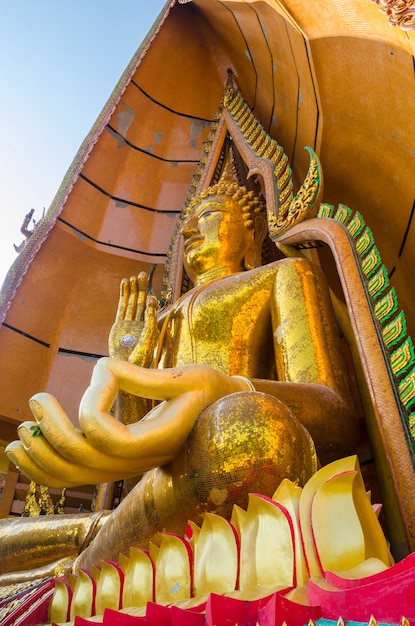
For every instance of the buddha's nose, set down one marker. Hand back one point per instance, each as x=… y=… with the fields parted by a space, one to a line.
x=190 y=227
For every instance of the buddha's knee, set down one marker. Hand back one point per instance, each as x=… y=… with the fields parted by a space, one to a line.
x=243 y=443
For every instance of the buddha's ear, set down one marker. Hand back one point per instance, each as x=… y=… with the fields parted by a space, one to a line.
x=251 y=260
x=253 y=252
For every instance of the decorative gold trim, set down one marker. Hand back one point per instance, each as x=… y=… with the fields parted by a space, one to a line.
x=43 y=505
x=289 y=210
x=388 y=392
x=397 y=344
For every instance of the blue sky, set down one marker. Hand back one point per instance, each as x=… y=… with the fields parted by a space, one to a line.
x=59 y=62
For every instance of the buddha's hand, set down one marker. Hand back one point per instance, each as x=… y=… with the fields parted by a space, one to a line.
x=52 y=451
x=134 y=334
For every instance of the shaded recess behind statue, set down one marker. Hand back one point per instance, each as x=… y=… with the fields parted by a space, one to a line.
x=248 y=365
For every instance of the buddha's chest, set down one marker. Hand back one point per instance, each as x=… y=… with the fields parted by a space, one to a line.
x=226 y=324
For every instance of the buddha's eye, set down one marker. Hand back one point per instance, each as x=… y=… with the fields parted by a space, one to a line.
x=207 y=214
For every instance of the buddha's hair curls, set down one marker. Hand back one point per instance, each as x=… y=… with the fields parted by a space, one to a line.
x=249 y=205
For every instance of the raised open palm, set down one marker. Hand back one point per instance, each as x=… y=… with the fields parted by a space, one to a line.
x=133 y=336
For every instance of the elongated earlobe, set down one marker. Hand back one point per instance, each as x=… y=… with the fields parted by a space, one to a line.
x=253 y=254
x=252 y=258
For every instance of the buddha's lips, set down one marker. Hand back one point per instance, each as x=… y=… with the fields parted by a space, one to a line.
x=193 y=242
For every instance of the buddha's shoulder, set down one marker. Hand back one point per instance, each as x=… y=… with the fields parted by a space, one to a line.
x=270 y=271
x=236 y=286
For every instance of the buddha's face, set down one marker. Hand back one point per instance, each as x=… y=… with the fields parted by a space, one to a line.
x=215 y=239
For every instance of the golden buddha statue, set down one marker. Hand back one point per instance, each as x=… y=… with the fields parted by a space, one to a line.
x=239 y=385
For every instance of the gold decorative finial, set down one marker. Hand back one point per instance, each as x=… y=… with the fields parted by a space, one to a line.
x=34 y=507
x=61 y=504
x=31 y=508
x=45 y=501
x=229 y=174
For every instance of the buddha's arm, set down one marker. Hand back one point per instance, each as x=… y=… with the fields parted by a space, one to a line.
x=311 y=371
x=106 y=449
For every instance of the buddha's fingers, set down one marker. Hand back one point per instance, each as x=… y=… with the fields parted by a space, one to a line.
x=142 y=291
x=116 y=439
x=52 y=463
x=106 y=438
x=123 y=300
x=154 y=440
x=143 y=353
x=69 y=441
x=25 y=464
x=99 y=426
x=57 y=427
x=132 y=300
x=186 y=391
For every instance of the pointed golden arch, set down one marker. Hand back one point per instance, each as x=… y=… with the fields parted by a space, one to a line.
x=236 y=128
